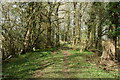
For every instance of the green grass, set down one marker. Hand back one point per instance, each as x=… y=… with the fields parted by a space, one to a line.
x=25 y=65
x=85 y=69
x=52 y=65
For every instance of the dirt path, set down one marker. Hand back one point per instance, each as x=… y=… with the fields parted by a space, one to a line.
x=65 y=62
x=61 y=68
x=69 y=65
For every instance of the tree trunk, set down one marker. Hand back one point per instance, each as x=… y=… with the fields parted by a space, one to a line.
x=49 y=29
x=74 y=27
x=57 y=27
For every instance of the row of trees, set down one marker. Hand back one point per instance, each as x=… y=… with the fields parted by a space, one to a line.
x=43 y=25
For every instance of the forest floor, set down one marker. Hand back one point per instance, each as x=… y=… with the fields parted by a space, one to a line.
x=52 y=63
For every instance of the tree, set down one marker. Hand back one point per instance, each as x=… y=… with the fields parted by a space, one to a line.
x=110 y=50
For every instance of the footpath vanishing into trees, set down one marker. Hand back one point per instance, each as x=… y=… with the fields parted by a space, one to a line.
x=36 y=38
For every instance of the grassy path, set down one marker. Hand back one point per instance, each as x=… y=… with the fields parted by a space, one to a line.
x=59 y=69
x=55 y=64
x=65 y=61
x=72 y=64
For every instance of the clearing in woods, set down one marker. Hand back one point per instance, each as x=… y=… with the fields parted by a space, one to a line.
x=62 y=63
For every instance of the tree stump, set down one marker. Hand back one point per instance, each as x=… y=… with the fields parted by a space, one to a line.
x=108 y=54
